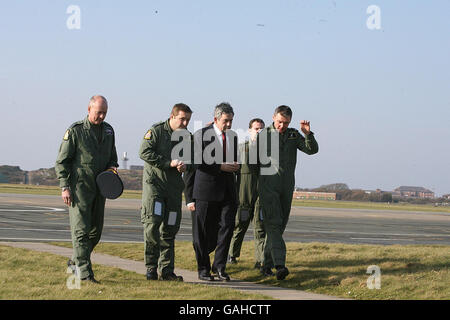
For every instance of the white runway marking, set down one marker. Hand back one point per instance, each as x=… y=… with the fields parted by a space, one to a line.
x=43 y=209
x=21 y=229
x=381 y=239
x=35 y=239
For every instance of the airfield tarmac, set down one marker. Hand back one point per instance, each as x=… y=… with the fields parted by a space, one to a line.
x=45 y=218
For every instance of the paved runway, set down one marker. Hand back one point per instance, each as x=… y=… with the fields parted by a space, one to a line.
x=45 y=218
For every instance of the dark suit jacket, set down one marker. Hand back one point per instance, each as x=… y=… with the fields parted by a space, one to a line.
x=207 y=182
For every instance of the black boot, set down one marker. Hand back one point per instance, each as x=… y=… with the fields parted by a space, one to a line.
x=152 y=274
x=282 y=272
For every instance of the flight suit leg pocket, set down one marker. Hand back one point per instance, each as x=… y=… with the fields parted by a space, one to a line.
x=172 y=218
x=172 y=222
x=174 y=212
x=153 y=210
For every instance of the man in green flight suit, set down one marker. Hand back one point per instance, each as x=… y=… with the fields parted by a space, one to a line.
x=88 y=148
x=162 y=192
x=277 y=182
x=248 y=200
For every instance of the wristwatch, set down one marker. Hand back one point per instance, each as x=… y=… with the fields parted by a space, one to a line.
x=64 y=189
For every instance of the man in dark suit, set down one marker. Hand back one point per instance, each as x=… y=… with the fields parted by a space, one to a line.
x=211 y=192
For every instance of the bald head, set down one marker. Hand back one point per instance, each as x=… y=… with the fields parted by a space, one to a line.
x=97 y=109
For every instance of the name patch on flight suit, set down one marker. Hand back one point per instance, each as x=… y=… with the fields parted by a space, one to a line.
x=148 y=135
x=172 y=218
x=293 y=135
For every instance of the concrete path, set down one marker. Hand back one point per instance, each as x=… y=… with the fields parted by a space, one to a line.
x=188 y=276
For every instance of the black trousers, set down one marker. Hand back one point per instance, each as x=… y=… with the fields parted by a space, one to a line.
x=212 y=229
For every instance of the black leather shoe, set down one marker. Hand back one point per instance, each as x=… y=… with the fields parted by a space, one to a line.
x=221 y=274
x=282 y=273
x=231 y=260
x=257 y=265
x=152 y=274
x=266 y=272
x=171 y=277
x=205 y=276
x=90 y=279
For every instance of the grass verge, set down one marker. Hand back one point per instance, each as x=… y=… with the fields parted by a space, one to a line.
x=407 y=271
x=26 y=274
x=53 y=190
x=369 y=205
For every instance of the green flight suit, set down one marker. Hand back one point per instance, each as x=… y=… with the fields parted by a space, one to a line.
x=248 y=205
x=86 y=151
x=276 y=191
x=161 y=198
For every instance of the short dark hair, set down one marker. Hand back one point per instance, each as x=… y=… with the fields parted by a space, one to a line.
x=221 y=108
x=285 y=111
x=180 y=107
x=255 y=120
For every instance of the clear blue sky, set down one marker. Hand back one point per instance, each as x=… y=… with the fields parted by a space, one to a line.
x=378 y=100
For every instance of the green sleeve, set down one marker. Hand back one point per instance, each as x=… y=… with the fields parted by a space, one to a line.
x=308 y=144
x=63 y=166
x=148 y=153
x=113 y=161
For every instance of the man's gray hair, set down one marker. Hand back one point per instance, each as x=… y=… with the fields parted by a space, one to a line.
x=224 y=107
x=95 y=98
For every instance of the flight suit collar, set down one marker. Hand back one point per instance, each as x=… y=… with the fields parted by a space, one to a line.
x=86 y=123
x=167 y=126
x=88 y=126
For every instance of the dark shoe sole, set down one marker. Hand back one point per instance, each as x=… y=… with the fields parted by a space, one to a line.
x=206 y=278
x=170 y=278
x=266 y=272
x=222 y=278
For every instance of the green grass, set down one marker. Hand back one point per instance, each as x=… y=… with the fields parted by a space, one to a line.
x=26 y=274
x=369 y=205
x=53 y=190
x=407 y=271
x=137 y=194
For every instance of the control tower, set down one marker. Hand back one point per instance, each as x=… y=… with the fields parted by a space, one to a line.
x=125 y=161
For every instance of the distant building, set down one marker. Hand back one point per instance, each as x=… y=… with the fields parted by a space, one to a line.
x=303 y=195
x=373 y=191
x=446 y=196
x=413 y=192
x=136 y=167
